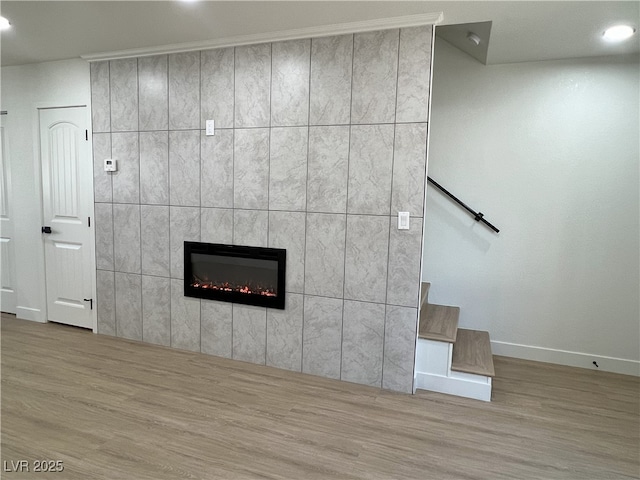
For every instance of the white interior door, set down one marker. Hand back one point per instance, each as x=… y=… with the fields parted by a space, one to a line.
x=7 y=257
x=67 y=207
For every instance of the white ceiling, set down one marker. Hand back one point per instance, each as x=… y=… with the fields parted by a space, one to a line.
x=521 y=30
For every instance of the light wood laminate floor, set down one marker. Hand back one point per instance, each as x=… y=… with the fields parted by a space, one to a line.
x=113 y=409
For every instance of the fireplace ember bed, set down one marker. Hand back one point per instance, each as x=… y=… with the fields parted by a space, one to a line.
x=234 y=273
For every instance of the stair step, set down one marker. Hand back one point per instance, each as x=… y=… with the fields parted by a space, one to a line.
x=439 y=322
x=472 y=353
x=424 y=293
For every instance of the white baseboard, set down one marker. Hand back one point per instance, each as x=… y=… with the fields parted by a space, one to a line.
x=478 y=390
x=564 y=357
x=32 y=314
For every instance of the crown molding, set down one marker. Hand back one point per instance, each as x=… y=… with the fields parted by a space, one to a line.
x=299 y=33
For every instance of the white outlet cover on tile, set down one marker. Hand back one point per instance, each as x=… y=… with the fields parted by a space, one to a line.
x=210 y=127
x=403 y=220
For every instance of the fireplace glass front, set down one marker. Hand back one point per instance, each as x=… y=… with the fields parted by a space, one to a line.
x=233 y=273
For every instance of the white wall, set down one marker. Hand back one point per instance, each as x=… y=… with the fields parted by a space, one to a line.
x=24 y=89
x=549 y=152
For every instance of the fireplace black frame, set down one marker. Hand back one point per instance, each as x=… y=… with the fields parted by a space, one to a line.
x=237 y=251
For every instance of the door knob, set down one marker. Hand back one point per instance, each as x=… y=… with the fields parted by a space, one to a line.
x=46 y=229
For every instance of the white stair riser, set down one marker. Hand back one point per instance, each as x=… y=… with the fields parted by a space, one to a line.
x=455 y=386
x=433 y=372
x=433 y=357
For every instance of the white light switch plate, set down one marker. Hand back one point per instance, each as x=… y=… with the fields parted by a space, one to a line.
x=210 y=127
x=403 y=220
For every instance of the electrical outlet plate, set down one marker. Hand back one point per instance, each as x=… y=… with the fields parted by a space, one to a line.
x=210 y=127
x=403 y=220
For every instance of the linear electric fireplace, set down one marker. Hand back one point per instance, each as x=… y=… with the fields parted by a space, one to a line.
x=233 y=273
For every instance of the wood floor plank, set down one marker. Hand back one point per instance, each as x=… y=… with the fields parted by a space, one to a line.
x=117 y=409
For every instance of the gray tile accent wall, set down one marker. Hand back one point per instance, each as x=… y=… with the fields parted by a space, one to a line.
x=216 y=82
x=154 y=168
x=318 y=144
x=249 y=333
x=153 y=91
x=123 y=83
x=156 y=310
x=128 y=305
x=185 y=319
x=106 y=303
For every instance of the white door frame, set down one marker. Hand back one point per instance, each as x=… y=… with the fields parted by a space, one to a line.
x=36 y=155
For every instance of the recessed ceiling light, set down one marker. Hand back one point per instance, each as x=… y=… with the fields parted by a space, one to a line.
x=4 y=23
x=618 y=33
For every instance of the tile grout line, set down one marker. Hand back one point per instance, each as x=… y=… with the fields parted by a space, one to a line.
x=395 y=118
x=306 y=205
x=169 y=199
x=139 y=197
x=113 y=221
x=200 y=140
x=233 y=177
x=269 y=180
x=346 y=216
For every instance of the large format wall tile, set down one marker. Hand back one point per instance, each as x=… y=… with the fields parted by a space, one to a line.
x=362 y=343
x=405 y=247
x=318 y=143
x=284 y=334
x=128 y=306
x=184 y=225
x=251 y=169
x=126 y=180
x=249 y=333
x=331 y=67
x=375 y=72
x=409 y=167
x=322 y=336
x=216 y=225
x=126 y=238
x=399 y=347
x=328 y=169
x=100 y=97
x=324 y=257
x=155 y=240
x=184 y=168
x=184 y=90
x=102 y=190
x=414 y=75
x=104 y=235
x=288 y=168
x=154 y=93
x=185 y=319
x=216 y=85
x=217 y=328
x=252 y=86
x=106 y=304
x=290 y=83
x=366 y=258
x=154 y=168
x=217 y=169
x=124 y=95
x=250 y=227
x=287 y=230
x=370 y=166
x=156 y=310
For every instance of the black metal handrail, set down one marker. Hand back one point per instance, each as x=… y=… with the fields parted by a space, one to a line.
x=477 y=216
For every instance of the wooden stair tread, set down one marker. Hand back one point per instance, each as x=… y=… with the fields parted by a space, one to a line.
x=439 y=322
x=424 y=293
x=472 y=353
